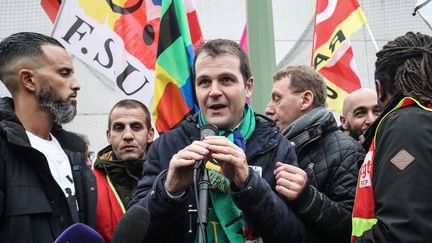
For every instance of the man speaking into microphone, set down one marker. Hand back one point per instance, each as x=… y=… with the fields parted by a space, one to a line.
x=243 y=204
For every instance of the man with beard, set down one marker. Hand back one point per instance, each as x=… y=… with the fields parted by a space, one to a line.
x=360 y=109
x=45 y=185
x=119 y=165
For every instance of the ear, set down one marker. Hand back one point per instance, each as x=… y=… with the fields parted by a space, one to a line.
x=26 y=79
x=307 y=100
x=382 y=95
x=108 y=136
x=249 y=87
x=342 y=120
x=150 y=135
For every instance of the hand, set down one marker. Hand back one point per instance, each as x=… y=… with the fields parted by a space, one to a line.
x=290 y=180
x=230 y=157
x=180 y=171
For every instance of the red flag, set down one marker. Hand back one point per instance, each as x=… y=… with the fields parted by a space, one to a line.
x=51 y=8
x=243 y=39
x=335 y=22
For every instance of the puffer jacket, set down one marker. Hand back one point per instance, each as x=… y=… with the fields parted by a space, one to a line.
x=33 y=207
x=261 y=206
x=331 y=161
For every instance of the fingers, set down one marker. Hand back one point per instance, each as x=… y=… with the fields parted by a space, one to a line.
x=290 y=180
x=223 y=150
x=230 y=157
x=288 y=193
x=196 y=151
x=288 y=168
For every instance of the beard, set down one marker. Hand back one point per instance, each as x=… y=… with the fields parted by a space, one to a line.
x=354 y=133
x=62 y=111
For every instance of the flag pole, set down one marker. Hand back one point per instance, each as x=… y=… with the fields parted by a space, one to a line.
x=261 y=50
x=372 y=37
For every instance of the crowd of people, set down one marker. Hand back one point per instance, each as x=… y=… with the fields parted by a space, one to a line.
x=291 y=176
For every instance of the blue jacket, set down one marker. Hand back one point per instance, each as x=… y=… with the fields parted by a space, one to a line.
x=260 y=204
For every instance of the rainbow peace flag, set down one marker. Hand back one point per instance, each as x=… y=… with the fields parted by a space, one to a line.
x=173 y=95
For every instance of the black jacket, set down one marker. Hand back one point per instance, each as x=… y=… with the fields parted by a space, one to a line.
x=403 y=197
x=33 y=207
x=331 y=161
x=261 y=206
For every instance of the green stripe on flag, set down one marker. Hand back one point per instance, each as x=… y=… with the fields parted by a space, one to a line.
x=174 y=60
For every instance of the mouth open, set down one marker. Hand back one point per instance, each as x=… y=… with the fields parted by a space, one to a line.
x=217 y=107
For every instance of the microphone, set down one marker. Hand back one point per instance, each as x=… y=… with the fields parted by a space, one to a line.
x=132 y=226
x=208 y=130
x=79 y=233
x=205 y=131
x=203 y=185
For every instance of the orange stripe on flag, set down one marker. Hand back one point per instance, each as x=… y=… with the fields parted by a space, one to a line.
x=166 y=108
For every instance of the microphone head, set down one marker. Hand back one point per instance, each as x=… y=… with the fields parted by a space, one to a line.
x=132 y=226
x=208 y=130
x=79 y=233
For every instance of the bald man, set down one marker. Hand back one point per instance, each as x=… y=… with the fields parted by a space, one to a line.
x=360 y=109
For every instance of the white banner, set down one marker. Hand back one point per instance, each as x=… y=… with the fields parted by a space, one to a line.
x=90 y=32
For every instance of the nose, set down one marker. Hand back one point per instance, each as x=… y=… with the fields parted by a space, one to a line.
x=128 y=134
x=269 y=111
x=370 y=118
x=215 y=90
x=75 y=84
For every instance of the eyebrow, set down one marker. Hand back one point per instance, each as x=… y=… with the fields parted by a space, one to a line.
x=359 y=108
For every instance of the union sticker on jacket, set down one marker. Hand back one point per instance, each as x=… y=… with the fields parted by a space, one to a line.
x=257 y=169
x=365 y=171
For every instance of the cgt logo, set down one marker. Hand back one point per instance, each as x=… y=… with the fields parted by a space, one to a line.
x=365 y=174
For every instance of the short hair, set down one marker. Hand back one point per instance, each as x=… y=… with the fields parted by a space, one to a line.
x=131 y=104
x=19 y=45
x=217 y=47
x=305 y=78
x=404 y=65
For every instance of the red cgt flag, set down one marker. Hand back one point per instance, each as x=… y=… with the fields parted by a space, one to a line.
x=332 y=55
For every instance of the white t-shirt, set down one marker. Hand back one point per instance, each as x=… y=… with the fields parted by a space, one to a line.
x=57 y=160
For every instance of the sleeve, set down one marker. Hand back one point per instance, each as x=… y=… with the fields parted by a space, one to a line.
x=402 y=179
x=266 y=210
x=165 y=212
x=329 y=213
x=2 y=188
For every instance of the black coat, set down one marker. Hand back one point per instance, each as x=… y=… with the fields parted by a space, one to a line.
x=403 y=197
x=33 y=207
x=261 y=206
x=331 y=161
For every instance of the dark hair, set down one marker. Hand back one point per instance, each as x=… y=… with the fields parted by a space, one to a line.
x=217 y=47
x=131 y=104
x=305 y=78
x=404 y=65
x=18 y=45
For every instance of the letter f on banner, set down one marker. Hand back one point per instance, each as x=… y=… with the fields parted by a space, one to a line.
x=332 y=55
